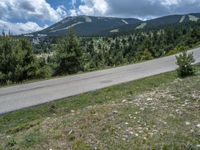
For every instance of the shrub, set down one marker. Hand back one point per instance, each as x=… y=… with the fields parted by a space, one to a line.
x=184 y=61
x=18 y=62
x=43 y=70
x=69 y=55
x=11 y=142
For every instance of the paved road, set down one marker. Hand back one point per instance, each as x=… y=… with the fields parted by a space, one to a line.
x=26 y=95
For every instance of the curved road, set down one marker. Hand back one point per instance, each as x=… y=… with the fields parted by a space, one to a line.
x=27 y=95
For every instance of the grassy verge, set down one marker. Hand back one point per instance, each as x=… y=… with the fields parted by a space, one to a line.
x=156 y=111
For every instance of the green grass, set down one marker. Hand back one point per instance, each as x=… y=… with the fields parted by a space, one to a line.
x=27 y=118
x=146 y=112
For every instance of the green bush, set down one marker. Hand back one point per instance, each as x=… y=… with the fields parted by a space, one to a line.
x=43 y=70
x=18 y=62
x=11 y=142
x=69 y=55
x=184 y=61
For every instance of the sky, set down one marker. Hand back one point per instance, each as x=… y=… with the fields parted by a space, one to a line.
x=25 y=16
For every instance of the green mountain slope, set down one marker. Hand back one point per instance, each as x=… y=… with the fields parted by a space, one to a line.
x=102 y=26
x=86 y=25
x=158 y=23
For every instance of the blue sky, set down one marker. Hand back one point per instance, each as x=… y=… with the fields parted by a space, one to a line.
x=66 y=3
x=24 y=16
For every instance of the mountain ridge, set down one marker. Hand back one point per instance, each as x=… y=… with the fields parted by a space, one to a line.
x=86 y=25
x=100 y=26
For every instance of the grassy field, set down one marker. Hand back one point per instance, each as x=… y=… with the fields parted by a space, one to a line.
x=159 y=112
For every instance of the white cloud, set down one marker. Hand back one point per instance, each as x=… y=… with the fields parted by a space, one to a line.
x=90 y=7
x=86 y=10
x=61 y=10
x=26 y=9
x=134 y=8
x=73 y=12
x=18 y=28
x=151 y=8
x=100 y=6
x=170 y=2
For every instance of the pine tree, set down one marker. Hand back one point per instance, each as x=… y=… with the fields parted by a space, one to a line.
x=69 y=55
x=184 y=61
x=17 y=61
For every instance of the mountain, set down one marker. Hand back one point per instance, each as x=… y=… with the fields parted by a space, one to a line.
x=101 y=26
x=86 y=25
x=157 y=23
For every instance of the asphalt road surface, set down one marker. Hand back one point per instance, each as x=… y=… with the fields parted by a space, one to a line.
x=27 y=95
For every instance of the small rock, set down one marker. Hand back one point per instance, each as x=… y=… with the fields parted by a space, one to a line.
x=125 y=136
x=136 y=135
x=130 y=116
x=115 y=112
x=70 y=132
x=124 y=101
x=126 y=123
x=131 y=133
x=124 y=139
x=72 y=111
x=187 y=123
x=142 y=109
x=198 y=126
x=198 y=146
x=140 y=131
x=139 y=128
x=149 y=99
x=155 y=131
x=178 y=112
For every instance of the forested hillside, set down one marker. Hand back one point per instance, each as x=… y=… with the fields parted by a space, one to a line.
x=91 y=26
x=142 y=45
x=20 y=60
x=157 y=23
x=86 y=25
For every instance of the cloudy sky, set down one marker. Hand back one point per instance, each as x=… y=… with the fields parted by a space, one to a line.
x=23 y=16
